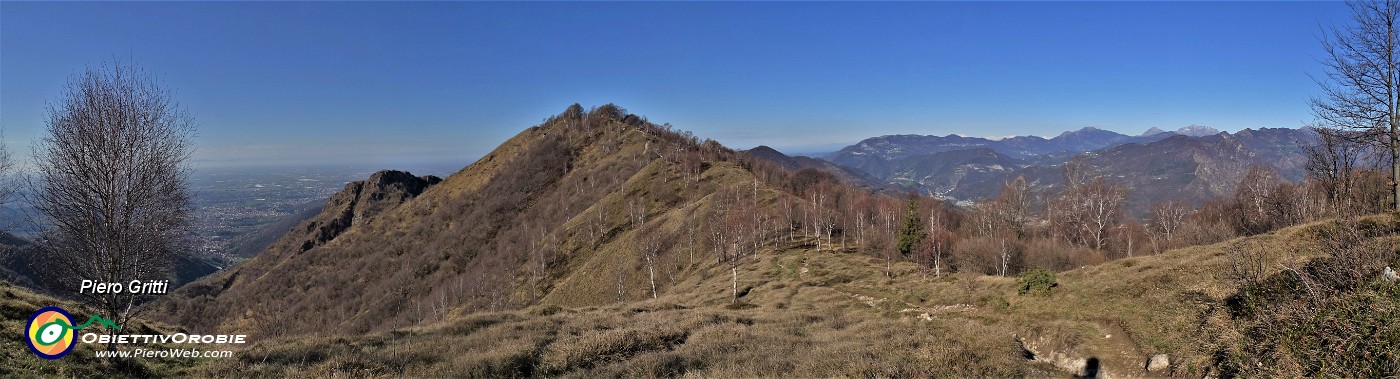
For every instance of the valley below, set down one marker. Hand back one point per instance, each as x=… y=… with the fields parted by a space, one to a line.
x=800 y=190
x=598 y=244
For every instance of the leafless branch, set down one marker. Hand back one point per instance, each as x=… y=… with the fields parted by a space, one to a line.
x=111 y=184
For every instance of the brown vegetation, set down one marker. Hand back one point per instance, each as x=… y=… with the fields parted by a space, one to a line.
x=600 y=244
x=589 y=208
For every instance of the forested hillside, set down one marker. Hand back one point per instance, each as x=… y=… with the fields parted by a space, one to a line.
x=588 y=208
x=598 y=243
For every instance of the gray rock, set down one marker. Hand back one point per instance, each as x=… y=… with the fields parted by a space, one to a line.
x=1159 y=362
x=1389 y=274
x=362 y=200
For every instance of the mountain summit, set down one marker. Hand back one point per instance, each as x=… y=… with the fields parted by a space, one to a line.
x=588 y=208
x=1197 y=130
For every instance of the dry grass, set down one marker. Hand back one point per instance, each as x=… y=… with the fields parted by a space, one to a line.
x=789 y=325
x=16 y=361
x=662 y=342
x=806 y=314
x=810 y=314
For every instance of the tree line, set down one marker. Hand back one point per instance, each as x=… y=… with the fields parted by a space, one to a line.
x=1080 y=223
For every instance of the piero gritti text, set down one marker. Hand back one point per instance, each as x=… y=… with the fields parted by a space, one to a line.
x=133 y=287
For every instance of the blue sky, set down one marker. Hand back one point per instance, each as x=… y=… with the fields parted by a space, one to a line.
x=386 y=84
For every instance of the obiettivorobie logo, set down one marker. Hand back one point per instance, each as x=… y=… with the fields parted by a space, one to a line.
x=50 y=332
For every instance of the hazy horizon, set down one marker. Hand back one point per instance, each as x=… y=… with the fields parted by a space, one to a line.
x=382 y=84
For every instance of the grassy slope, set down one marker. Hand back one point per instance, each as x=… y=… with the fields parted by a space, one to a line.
x=455 y=245
x=586 y=277
x=785 y=327
x=17 y=304
x=807 y=313
x=820 y=313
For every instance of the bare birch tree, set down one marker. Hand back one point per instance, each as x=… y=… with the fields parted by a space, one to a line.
x=1168 y=216
x=1104 y=204
x=1012 y=207
x=1252 y=198
x=651 y=250
x=936 y=240
x=111 y=184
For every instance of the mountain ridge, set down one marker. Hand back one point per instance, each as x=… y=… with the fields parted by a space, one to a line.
x=920 y=161
x=799 y=162
x=551 y=216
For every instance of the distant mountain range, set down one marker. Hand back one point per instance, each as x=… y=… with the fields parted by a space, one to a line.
x=1193 y=163
x=881 y=156
x=794 y=163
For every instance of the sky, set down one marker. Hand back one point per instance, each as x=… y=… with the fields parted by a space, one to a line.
x=384 y=84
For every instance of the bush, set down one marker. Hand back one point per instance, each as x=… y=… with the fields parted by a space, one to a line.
x=1035 y=281
x=1350 y=334
x=1331 y=317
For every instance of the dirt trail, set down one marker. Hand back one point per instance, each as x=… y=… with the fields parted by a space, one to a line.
x=921 y=312
x=1111 y=353
x=1118 y=352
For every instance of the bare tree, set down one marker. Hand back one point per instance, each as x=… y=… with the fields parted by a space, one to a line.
x=1168 y=216
x=860 y=207
x=690 y=227
x=1252 y=200
x=1068 y=211
x=1128 y=236
x=737 y=227
x=7 y=168
x=652 y=247
x=1005 y=257
x=759 y=219
x=788 y=217
x=542 y=250
x=7 y=184
x=112 y=184
x=1333 y=162
x=817 y=213
x=1012 y=207
x=1087 y=212
x=938 y=238
x=1077 y=172
x=889 y=209
x=729 y=226
x=1362 y=87
x=1105 y=208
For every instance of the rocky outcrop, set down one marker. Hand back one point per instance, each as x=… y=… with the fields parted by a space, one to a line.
x=1159 y=363
x=1078 y=366
x=1109 y=352
x=362 y=200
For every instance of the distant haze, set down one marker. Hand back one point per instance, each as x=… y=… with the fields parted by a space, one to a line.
x=386 y=84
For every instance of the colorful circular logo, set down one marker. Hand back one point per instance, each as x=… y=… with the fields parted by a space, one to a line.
x=50 y=333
